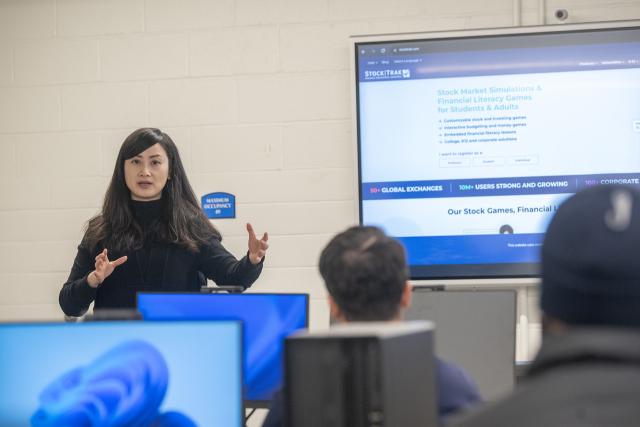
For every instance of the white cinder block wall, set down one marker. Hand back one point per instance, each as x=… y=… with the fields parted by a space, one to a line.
x=254 y=92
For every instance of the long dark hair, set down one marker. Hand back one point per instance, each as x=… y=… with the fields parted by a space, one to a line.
x=182 y=223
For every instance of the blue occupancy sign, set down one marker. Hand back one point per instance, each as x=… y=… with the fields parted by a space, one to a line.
x=219 y=205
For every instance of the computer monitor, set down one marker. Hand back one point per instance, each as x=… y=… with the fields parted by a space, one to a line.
x=121 y=373
x=268 y=319
x=474 y=329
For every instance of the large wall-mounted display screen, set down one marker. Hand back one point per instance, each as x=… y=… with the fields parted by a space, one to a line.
x=469 y=142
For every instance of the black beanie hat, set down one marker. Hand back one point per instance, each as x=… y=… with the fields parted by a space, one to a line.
x=591 y=259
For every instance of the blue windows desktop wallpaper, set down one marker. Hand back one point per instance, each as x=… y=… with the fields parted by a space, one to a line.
x=121 y=374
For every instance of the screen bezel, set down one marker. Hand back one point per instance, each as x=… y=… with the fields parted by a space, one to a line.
x=480 y=273
x=248 y=403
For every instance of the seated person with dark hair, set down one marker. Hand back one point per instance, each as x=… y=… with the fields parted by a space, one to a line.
x=587 y=372
x=365 y=273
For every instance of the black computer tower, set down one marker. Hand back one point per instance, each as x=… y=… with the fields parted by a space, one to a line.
x=361 y=374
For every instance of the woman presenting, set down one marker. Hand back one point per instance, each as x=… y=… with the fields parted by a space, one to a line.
x=151 y=235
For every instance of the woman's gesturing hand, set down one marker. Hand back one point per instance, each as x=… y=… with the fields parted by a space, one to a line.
x=104 y=268
x=257 y=248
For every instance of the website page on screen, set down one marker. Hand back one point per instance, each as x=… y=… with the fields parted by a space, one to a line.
x=466 y=154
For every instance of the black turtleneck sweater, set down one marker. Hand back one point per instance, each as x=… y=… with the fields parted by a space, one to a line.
x=158 y=266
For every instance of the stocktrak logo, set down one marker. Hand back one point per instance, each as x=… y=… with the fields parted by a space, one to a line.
x=387 y=74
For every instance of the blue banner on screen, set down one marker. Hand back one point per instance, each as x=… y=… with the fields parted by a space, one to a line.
x=268 y=320
x=219 y=205
x=486 y=249
x=121 y=374
x=492 y=186
x=468 y=144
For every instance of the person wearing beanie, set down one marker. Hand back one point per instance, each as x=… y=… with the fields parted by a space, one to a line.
x=587 y=372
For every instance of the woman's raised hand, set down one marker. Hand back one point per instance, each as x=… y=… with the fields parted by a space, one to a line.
x=104 y=268
x=257 y=248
